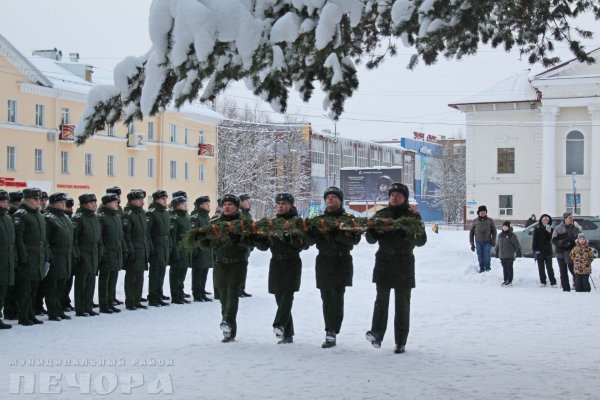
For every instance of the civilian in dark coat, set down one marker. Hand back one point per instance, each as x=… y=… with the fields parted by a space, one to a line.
x=542 y=249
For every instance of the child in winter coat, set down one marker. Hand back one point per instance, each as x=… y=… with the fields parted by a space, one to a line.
x=582 y=256
x=507 y=247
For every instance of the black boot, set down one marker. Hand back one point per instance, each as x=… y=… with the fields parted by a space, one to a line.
x=4 y=326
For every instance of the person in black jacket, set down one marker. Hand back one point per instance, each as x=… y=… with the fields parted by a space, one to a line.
x=530 y=221
x=394 y=268
x=542 y=249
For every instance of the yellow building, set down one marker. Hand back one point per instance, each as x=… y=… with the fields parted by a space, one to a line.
x=41 y=100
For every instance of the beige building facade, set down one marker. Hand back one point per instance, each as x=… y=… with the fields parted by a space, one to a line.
x=41 y=100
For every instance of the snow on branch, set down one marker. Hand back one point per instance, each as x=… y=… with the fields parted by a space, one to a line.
x=199 y=46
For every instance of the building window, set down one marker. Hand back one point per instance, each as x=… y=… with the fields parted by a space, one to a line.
x=173 y=170
x=88 y=164
x=64 y=162
x=575 y=152
x=186 y=171
x=333 y=162
x=573 y=201
x=11 y=158
x=131 y=128
x=317 y=152
x=173 y=134
x=505 y=204
x=506 y=160
x=186 y=136
x=151 y=168
x=110 y=130
x=110 y=166
x=202 y=137
x=39 y=115
x=348 y=155
x=374 y=157
x=151 y=130
x=131 y=166
x=65 y=116
x=12 y=111
x=201 y=173
x=39 y=160
x=362 y=157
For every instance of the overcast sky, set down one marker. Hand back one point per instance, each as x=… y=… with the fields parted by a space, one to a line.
x=104 y=32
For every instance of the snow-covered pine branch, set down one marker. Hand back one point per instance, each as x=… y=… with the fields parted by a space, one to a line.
x=199 y=46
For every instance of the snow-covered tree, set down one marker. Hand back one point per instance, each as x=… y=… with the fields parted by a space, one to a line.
x=199 y=46
x=451 y=193
x=261 y=158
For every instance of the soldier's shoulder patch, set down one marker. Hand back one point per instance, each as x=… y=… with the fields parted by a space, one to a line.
x=147 y=218
x=17 y=220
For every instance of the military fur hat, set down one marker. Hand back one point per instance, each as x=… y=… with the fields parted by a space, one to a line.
x=70 y=202
x=140 y=190
x=135 y=194
x=179 y=193
x=399 y=187
x=87 y=198
x=178 y=200
x=244 y=196
x=109 y=198
x=3 y=195
x=232 y=198
x=44 y=196
x=335 y=191
x=159 y=194
x=284 y=197
x=481 y=208
x=15 y=197
x=56 y=197
x=115 y=189
x=201 y=200
x=32 y=193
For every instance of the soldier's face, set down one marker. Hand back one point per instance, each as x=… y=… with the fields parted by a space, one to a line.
x=397 y=198
x=245 y=203
x=33 y=202
x=43 y=203
x=162 y=201
x=60 y=205
x=229 y=208
x=182 y=206
x=3 y=203
x=333 y=202
x=92 y=205
x=205 y=206
x=137 y=202
x=283 y=207
x=113 y=205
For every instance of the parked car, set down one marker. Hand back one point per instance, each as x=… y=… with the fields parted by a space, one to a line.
x=589 y=225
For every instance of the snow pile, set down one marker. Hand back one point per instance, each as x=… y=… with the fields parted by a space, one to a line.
x=469 y=339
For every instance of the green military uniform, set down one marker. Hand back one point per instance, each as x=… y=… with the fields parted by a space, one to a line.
x=135 y=228
x=202 y=259
x=10 y=302
x=159 y=228
x=245 y=212
x=394 y=269
x=113 y=240
x=181 y=257
x=334 y=269
x=87 y=250
x=59 y=230
x=30 y=240
x=231 y=263
x=285 y=272
x=8 y=257
x=67 y=306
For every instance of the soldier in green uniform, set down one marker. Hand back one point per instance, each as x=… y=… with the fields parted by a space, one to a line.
x=230 y=267
x=245 y=211
x=59 y=233
x=8 y=254
x=181 y=257
x=215 y=217
x=30 y=240
x=117 y=191
x=285 y=269
x=202 y=259
x=87 y=250
x=67 y=306
x=394 y=268
x=334 y=269
x=159 y=228
x=115 y=250
x=135 y=229
x=10 y=302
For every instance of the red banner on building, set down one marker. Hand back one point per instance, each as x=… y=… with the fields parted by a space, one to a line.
x=10 y=182
x=419 y=135
x=205 y=149
x=67 y=132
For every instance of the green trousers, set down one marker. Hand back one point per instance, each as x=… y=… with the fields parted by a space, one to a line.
x=176 y=282
x=402 y=313
x=26 y=294
x=3 y=290
x=283 y=316
x=134 y=284
x=54 y=293
x=85 y=286
x=199 y=276
x=107 y=287
x=156 y=280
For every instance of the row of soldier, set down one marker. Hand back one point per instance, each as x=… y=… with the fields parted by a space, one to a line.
x=102 y=241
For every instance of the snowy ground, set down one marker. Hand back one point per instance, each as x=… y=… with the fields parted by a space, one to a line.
x=470 y=339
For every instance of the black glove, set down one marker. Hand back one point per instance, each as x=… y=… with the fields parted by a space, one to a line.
x=568 y=245
x=472 y=247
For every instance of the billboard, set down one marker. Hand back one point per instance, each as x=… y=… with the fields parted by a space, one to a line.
x=368 y=184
